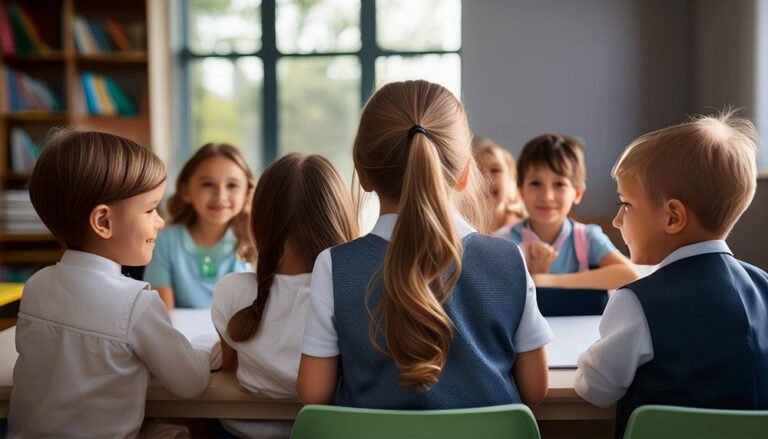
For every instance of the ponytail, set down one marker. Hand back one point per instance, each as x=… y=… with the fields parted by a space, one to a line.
x=422 y=264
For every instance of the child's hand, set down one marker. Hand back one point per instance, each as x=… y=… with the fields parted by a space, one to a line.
x=539 y=257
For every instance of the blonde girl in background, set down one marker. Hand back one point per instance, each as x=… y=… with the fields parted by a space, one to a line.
x=423 y=312
x=301 y=206
x=499 y=168
x=206 y=237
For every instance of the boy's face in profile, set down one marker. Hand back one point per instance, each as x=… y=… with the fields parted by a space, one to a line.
x=548 y=196
x=135 y=224
x=640 y=221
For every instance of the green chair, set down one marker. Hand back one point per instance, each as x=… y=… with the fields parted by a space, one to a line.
x=665 y=421
x=503 y=421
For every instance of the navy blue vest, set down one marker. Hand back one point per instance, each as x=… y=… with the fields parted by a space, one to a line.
x=485 y=306
x=708 y=317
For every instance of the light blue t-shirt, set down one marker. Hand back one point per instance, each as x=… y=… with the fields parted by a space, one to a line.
x=598 y=242
x=180 y=263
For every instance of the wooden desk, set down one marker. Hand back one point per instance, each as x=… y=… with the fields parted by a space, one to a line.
x=224 y=397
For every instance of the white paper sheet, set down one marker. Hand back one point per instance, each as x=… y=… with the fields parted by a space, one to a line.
x=573 y=335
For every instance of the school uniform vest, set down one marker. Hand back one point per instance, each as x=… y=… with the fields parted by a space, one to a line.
x=485 y=305
x=708 y=320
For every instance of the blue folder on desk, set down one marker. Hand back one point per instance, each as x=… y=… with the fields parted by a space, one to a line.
x=557 y=302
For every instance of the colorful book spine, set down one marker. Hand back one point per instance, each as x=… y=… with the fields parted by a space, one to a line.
x=6 y=36
x=118 y=34
x=89 y=90
x=31 y=31
x=124 y=105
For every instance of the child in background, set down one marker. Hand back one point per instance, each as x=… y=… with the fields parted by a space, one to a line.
x=551 y=178
x=207 y=237
x=422 y=270
x=88 y=337
x=695 y=332
x=498 y=166
x=300 y=207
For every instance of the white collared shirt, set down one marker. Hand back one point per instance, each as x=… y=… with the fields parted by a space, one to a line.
x=321 y=339
x=88 y=339
x=607 y=368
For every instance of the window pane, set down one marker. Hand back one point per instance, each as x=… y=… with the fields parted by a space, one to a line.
x=217 y=26
x=442 y=69
x=306 y=26
x=319 y=100
x=418 y=25
x=226 y=100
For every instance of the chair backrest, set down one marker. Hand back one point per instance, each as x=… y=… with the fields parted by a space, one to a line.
x=503 y=421
x=663 y=421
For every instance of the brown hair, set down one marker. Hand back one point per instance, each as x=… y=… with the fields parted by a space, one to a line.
x=420 y=170
x=77 y=171
x=184 y=213
x=298 y=200
x=483 y=145
x=564 y=155
x=708 y=163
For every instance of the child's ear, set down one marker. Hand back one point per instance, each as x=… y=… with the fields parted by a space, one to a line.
x=365 y=182
x=462 y=183
x=579 y=195
x=677 y=216
x=100 y=221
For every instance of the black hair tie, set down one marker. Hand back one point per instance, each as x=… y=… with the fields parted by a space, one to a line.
x=416 y=129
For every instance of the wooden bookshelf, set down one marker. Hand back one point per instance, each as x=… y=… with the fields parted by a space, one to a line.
x=55 y=56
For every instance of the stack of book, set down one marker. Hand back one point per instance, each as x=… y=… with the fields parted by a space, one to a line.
x=24 y=152
x=105 y=35
x=19 y=35
x=26 y=93
x=104 y=97
x=17 y=214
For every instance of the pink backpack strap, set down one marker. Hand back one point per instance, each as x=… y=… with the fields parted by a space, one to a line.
x=580 y=245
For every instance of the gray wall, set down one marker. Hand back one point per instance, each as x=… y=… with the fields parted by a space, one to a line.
x=608 y=71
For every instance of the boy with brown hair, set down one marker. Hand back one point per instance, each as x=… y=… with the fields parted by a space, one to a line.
x=695 y=332
x=88 y=337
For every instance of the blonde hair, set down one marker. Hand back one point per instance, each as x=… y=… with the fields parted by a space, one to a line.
x=182 y=212
x=423 y=260
x=298 y=200
x=564 y=155
x=708 y=163
x=482 y=145
x=78 y=171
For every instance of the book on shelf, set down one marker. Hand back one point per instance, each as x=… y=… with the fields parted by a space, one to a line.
x=19 y=32
x=6 y=36
x=24 y=152
x=17 y=215
x=103 y=96
x=95 y=35
x=27 y=93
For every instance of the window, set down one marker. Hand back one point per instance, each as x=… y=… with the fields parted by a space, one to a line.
x=278 y=76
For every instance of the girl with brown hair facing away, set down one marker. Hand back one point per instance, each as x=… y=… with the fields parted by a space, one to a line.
x=301 y=206
x=207 y=235
x=423 y=312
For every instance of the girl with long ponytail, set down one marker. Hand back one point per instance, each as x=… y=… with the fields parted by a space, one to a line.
x=423 y=312
x=300 y=207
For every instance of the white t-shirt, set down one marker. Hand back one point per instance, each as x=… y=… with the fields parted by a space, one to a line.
x=268 y=363
x=321 y=339
x=88 y=339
